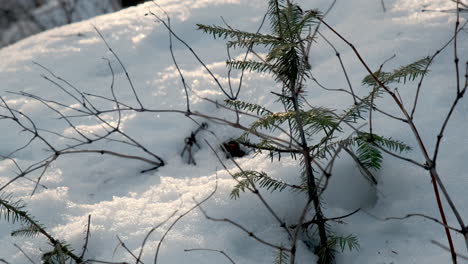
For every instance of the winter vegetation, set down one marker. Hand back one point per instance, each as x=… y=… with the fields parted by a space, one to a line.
x=283 y=132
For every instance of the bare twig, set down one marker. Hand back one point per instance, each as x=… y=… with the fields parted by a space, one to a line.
x=384 y=9
x=186 y=45
x=213 y=250
x=24 y=253
x=122 y=244
x=243 y=229
x=85 y=246
x=337 y=53
x=433 y=172
x=427 y=69
x=149 y=233
x=410 y=216
x=197 y=205
x=448 y=249
x=251 y=187
x=103 y=262
x=121 y=64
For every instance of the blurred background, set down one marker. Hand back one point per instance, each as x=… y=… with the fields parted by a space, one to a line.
x=22 y=18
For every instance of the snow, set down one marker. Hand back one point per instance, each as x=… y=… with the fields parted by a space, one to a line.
x=24 y=18
x=125 y=203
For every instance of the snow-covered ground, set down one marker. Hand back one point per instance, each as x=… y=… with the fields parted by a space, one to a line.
x=22 y=18
x=123 y=202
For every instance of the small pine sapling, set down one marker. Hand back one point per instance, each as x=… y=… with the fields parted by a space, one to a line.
x=314 y=131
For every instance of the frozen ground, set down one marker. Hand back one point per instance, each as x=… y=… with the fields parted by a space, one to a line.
x=128 y=204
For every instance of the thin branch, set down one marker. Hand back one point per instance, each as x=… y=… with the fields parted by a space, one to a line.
x=427 y=69
x=24 y=253
x=245 y=230
x=251 y=187
x=122 y=244
x=337 y=53
x=197 y=204
x=313 y=221
x=448 y=249
x=150 y=232
x=213 y=250
x=459 y=96
x=121 y=65
x=184 y=84
x=414 y=215
x=368 y=174
x=187 y=46
x=360 y=100
x=112 y=153
x=85 y=246
x=103 y=262
x=384 y=9
x=433 y=172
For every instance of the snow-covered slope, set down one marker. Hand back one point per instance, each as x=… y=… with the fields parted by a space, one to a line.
x=123 y=202
x=20 y=19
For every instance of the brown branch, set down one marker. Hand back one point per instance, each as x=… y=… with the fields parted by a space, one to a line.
x=433 y=172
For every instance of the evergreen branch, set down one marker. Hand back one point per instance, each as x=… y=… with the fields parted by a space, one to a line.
x=349 y=241
x=308 y=19
x=58 y=255
x=12 y=211
x=319 y=119
x=328 y=149
x=291 y=20
x=368 y=152
x=327 y=252
x=246 y=178
x=272 y=120
x=369 y=156
x=274 y=7
x=249 y=107
x=15 y=212
x=247 y=43
x=403 y=74
x=313 y=120
x=242 y=38
x=364 y=168
x=357 y=110
x=250 y=65
x=281 y=257
x=262 y=145
x=26 y=231
x=388 y=143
